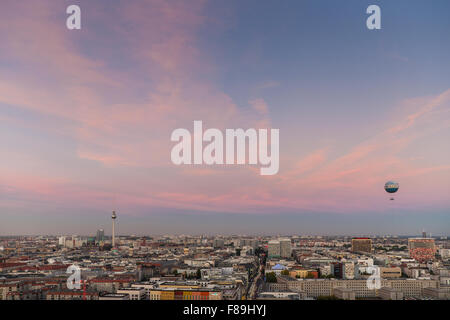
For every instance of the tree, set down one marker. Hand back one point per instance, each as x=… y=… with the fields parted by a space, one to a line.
x=285 y=272
x=271 y=277
x=199 y=274
x=190 y=276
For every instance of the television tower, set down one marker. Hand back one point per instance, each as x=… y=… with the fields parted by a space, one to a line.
x=114 y=217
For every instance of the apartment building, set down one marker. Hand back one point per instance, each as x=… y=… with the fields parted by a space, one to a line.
x=134 y=293
x=324 y=287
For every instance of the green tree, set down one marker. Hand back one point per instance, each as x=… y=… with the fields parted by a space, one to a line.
x=285 y=272
x=271 y=277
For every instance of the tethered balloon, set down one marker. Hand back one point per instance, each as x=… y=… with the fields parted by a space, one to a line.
x=391 y=187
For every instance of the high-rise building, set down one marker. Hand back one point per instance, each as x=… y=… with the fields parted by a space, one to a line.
x=350 y=270
x=362 y=245
x=285 y=248
x=337 y=269
x=421 y=249
x=218 y=243
x=345 y=270
x=274 y=249
x=254 y=243
x=62 y=241
x=280 y=248
x=100 y=235
x=72 y=242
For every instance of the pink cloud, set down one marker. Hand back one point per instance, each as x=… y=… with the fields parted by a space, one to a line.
x=433 y=103
x=124 y=124
x=260 y=106
x=79 y=88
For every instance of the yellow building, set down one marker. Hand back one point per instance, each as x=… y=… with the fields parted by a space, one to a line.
x=299 y=273
x=155 y=295
x=187 y=295
x=167 y=295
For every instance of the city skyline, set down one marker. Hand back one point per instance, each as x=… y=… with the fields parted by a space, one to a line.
x=193 y=268
x=87 y=115
x=253 y=231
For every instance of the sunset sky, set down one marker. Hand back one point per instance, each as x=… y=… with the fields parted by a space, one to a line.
x=86 y=116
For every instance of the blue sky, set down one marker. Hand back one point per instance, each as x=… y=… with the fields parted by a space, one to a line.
x=86 y=115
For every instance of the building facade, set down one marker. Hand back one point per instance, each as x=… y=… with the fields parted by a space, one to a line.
x=422 y=249
x=362 y=245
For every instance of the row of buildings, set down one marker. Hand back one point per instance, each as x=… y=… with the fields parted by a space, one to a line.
x=421 y=249
x=223 y=267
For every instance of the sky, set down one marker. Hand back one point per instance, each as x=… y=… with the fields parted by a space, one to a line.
x=86 y=116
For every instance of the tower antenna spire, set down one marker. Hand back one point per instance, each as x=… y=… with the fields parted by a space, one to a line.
x=113 y=217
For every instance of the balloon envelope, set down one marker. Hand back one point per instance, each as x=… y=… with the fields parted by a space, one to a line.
x=391 y=187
